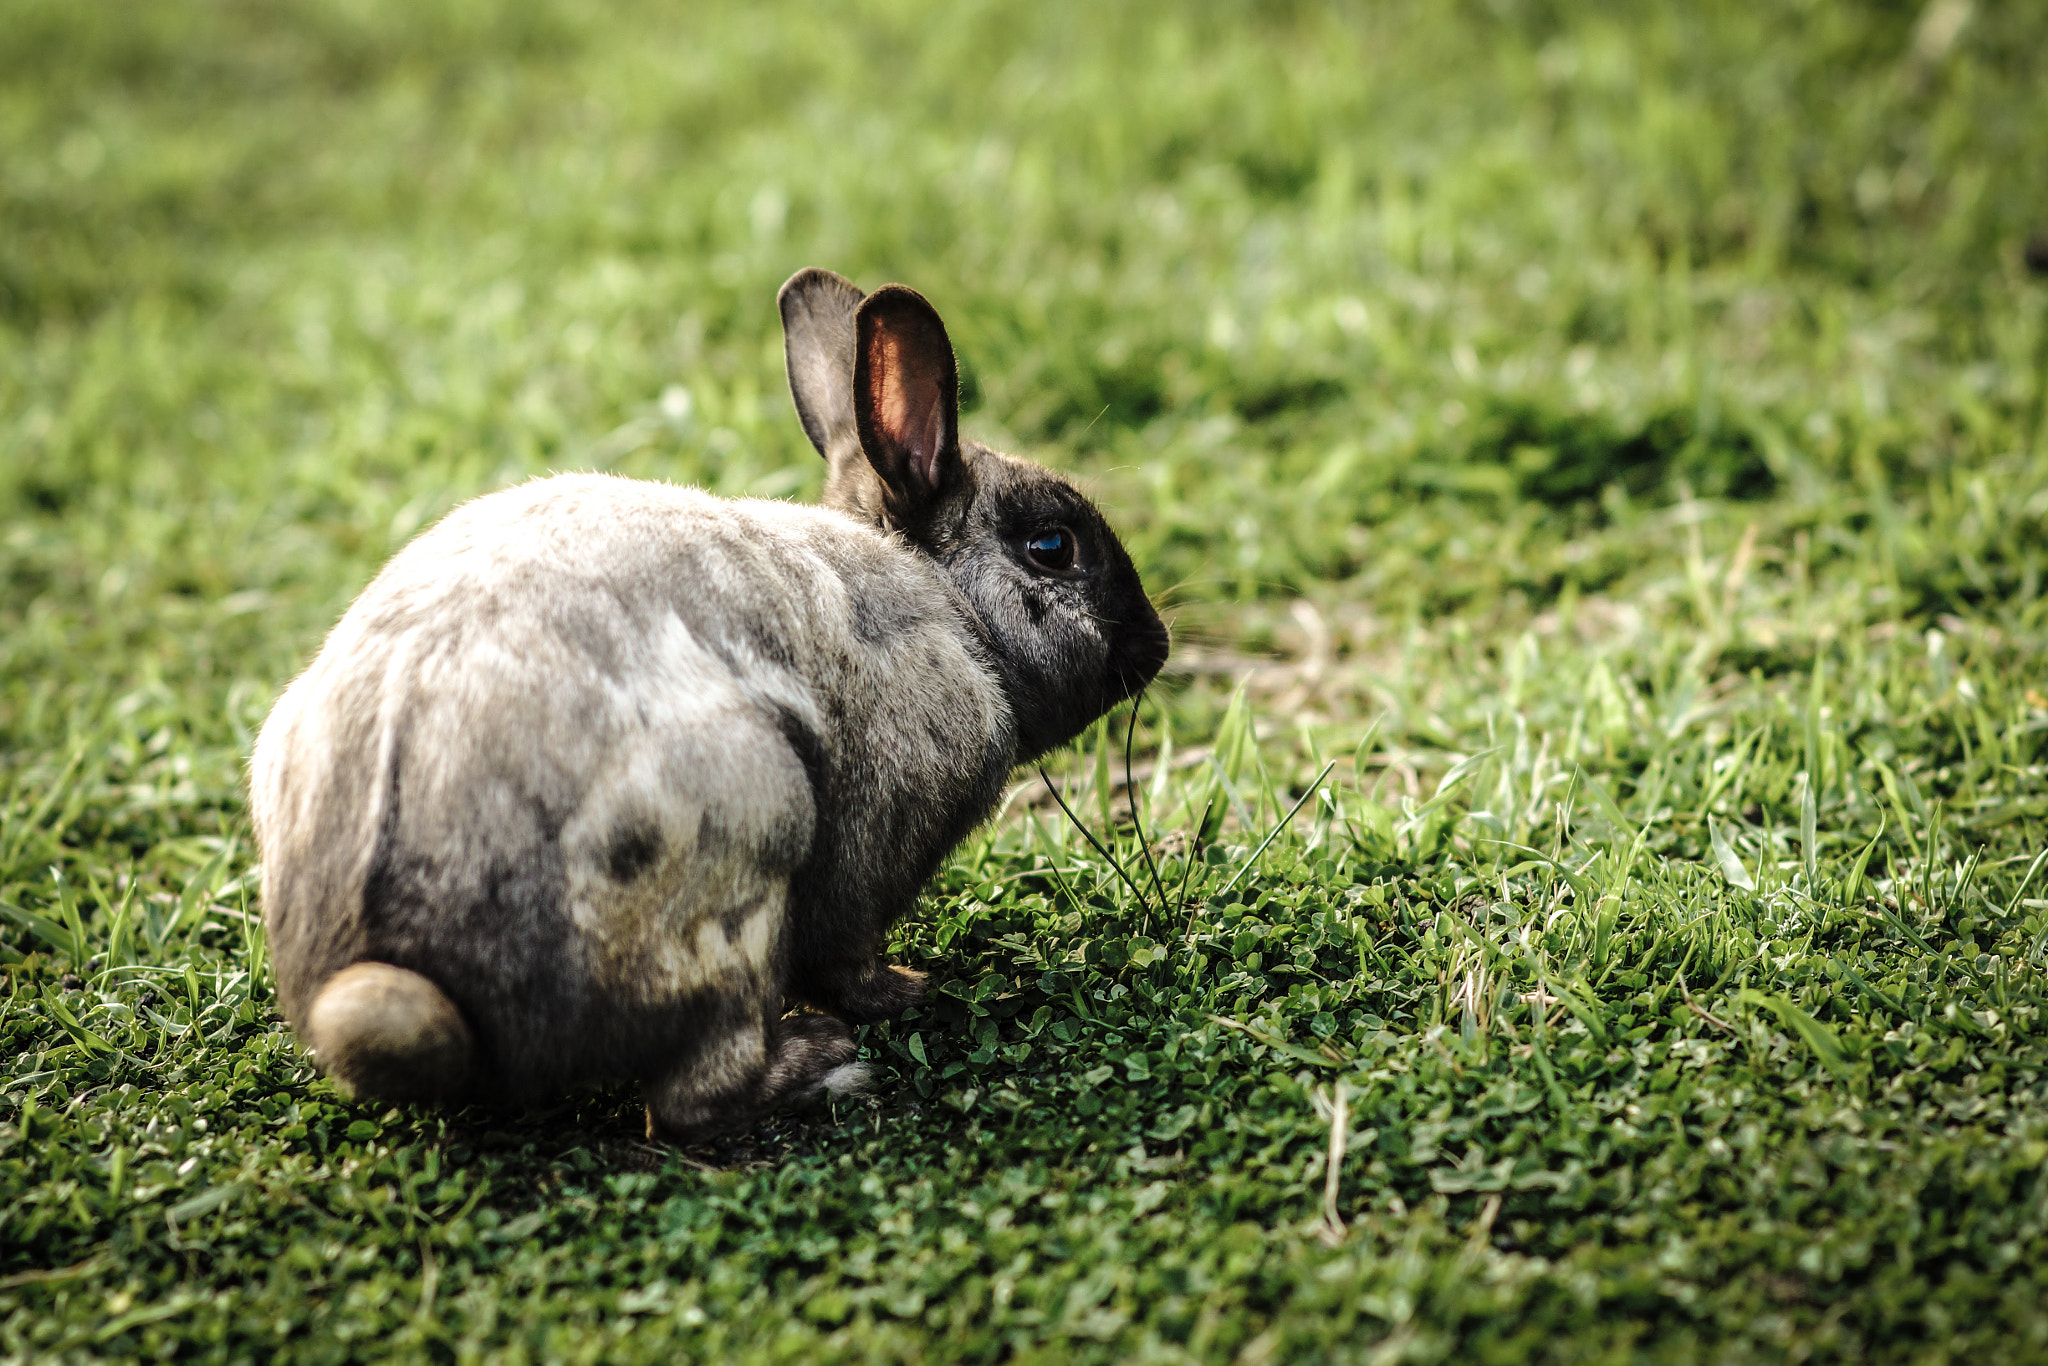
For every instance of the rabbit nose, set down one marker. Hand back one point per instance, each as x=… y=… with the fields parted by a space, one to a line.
x=1144 y=650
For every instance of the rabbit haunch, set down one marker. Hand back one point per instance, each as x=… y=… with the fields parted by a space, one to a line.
x=598 y=776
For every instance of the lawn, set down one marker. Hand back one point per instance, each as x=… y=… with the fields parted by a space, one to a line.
x=1587 y=899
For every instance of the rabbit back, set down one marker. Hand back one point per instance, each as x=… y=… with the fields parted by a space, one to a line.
x=612 y=761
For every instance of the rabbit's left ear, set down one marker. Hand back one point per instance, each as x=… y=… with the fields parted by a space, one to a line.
x=906 y=401
x=817 y=310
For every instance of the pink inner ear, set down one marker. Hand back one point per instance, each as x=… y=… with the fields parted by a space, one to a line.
x=907 y=407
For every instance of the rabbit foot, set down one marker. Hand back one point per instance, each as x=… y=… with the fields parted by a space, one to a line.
x=732 y=1084
x=876 y=991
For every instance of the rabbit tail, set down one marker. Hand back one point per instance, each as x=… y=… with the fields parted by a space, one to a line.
x=389 y=1033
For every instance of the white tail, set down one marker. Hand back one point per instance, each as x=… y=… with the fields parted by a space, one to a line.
x=387 y=1032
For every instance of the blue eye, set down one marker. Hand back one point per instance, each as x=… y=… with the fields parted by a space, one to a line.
x=1052 y=551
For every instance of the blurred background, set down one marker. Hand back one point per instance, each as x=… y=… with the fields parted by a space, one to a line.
x=1413 y=309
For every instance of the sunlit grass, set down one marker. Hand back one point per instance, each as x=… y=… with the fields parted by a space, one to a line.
x=1590 y=902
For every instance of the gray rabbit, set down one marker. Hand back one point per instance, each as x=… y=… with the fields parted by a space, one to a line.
x=598 y=777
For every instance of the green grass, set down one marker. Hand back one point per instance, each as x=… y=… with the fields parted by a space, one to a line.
x=1609 y=448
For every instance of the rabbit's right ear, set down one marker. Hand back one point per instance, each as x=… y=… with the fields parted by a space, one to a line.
x=818 y=309
x=906 y=402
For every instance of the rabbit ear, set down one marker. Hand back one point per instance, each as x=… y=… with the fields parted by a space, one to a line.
x=817 y=345
x=906 y=400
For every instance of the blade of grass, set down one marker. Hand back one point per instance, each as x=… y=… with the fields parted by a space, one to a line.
x=1277 y=828
x=1808 y=830
x=51 y=932
x=1818 y=1036
x=1194 y=857
x=1852 y=887
x=1131 y=791
x=1729 y=861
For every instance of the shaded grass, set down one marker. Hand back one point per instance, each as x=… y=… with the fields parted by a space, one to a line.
x=1612 y=441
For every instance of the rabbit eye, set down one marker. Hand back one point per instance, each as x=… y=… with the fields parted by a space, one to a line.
x=1052 y=551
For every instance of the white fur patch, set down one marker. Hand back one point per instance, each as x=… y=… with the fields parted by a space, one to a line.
x=848 y=1079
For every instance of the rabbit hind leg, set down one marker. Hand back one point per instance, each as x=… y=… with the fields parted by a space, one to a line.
x=750 y=1071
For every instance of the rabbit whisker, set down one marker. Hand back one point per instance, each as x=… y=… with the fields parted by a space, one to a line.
x=1095 y=843
x=1131 y=791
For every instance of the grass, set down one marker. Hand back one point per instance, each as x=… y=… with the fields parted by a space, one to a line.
x=1607 y=449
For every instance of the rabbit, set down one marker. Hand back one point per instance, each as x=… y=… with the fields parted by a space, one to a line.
x=599 y=777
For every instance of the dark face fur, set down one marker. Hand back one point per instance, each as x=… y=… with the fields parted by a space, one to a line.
x=1067 y=617
x=1068 y=622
